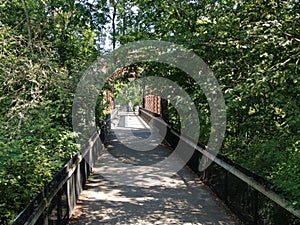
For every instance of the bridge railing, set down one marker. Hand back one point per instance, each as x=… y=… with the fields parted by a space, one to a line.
x=53 y=205
x=246 y=194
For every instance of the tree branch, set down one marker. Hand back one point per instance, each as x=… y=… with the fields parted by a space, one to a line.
x=28 y=24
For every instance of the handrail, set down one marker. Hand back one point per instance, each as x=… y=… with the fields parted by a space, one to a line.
x=35 y=209
x=230 y=168
x=69 y=173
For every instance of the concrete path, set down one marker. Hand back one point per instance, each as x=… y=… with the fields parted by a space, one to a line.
x=123 y=190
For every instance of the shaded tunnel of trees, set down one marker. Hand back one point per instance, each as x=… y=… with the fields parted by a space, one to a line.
x=251 y=46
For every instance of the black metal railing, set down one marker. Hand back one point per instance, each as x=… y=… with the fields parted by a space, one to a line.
x=246 y=194
x=54 y=204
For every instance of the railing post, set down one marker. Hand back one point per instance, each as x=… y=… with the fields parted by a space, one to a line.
x=59 y=208
x=226 y=187
x=256 y=208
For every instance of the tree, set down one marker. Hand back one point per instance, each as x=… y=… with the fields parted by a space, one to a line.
x=252 y=48
x=44 y=47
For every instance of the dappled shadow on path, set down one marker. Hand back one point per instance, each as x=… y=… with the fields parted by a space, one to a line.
x=178 y=201
x=130 y=156
x=155 y=197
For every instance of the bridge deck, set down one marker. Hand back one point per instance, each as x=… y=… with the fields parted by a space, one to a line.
x=115 y=194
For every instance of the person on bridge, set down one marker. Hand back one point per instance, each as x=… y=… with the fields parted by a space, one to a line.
x=129 y=108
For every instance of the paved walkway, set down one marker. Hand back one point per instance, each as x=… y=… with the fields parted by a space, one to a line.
x=123 y=190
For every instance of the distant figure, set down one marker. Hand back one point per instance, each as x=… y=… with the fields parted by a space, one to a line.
x=129 y=106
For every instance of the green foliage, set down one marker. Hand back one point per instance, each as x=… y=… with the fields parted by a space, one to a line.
x=101 y=110
x=253 y=49
x=251 y=46
x=126 y=92
x=44 y=47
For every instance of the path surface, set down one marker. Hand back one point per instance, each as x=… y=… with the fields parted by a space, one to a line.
x=114 y=195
